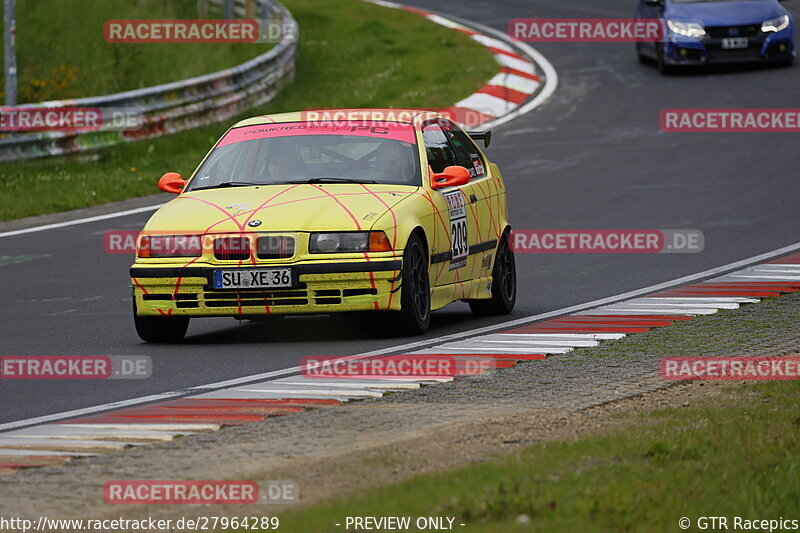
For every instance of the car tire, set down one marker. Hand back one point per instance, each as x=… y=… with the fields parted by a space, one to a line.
x=641 y=57
x=663 y=68
x=504 y=284
x=160 y=329
x=414 y=317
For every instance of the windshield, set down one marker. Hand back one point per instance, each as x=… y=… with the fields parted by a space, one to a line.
x=312 y=152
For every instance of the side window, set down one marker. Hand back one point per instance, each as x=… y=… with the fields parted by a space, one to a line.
x=467 y=154
x=440 y=154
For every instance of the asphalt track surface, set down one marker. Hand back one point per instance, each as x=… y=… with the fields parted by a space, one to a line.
x=591 y=157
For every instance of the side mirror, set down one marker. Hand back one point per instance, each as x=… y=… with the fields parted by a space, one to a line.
x=451 y=177
x=172 y=182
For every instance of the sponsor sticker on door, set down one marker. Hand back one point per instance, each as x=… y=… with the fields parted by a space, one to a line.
x=459 y=244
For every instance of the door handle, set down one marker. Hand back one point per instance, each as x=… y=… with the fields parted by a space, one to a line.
x=473 y=198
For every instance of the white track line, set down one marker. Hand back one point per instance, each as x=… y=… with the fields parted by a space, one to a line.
x=7 y=452
x=66 y=431
x=494 y=43
x=455 y=349
x=353 y=384
x=652 y=311
x=544 y=341
x=186 y=429
x=311 y=392
x=75 y=222
x=767 y=277
x=517 y=83
x=536 y=342
x=779 y=268
x=486 y=103
x=63 y=444
x=667 y=306
x=733 y=299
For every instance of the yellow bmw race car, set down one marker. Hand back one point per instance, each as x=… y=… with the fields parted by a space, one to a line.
x=394 y=211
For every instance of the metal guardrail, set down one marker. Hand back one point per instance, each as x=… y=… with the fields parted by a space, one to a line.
x=176 y=106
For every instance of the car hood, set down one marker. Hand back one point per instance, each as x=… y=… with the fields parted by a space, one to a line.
x=319 y=207
x=735 y=13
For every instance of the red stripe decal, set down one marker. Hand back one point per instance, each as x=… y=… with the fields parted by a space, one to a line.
x=465 y=31
x=415 y=10
x=504 y=93
x=500 y=51
x=520 y=73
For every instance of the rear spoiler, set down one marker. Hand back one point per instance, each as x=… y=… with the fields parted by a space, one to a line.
x=485 y=136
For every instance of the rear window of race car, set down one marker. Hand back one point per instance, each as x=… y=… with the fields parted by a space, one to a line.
x=362 y=152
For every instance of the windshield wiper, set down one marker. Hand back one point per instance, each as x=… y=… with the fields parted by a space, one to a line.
x=225 y=184
x=239 y=184
x=332 y=180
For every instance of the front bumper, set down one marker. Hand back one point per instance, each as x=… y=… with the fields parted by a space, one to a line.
x=319 y=287
x=762 y=48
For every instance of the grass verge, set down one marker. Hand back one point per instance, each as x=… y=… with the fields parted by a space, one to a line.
x=62 y=52
x=352 y=54
x=736 y=454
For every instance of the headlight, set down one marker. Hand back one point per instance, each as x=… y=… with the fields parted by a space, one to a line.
x=689 y=29
x=349 y=242
x=170 y=246
x=778 y=24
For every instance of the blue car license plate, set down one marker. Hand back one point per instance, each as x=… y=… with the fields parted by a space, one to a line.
x=735 y=43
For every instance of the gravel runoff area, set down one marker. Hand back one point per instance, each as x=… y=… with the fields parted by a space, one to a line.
x=334 y=451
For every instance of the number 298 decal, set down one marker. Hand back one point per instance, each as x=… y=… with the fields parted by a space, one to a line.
x=459 y=242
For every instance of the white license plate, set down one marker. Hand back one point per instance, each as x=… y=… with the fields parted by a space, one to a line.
x=735 y=43
x=266 y=278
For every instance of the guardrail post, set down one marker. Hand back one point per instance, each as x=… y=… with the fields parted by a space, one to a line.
x=10 y=59
x=202 y=9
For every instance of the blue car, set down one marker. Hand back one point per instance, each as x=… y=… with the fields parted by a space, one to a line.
x=702 y=32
